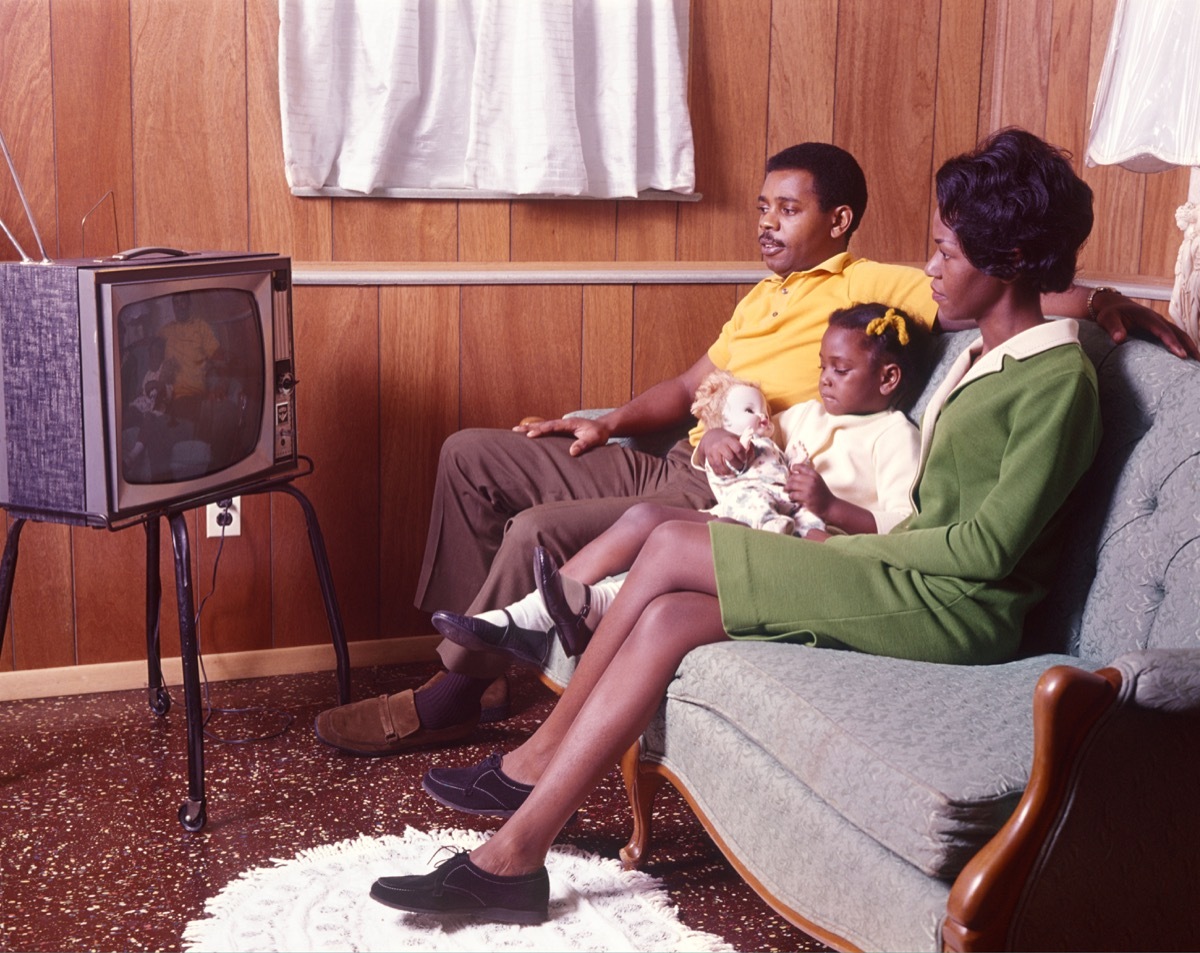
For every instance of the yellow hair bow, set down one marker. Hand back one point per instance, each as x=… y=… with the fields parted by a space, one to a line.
x=890 y=319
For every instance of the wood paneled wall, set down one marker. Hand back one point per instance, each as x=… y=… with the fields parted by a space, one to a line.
x=162 y=117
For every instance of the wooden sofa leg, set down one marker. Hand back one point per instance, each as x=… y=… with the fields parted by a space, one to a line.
x=642 y=783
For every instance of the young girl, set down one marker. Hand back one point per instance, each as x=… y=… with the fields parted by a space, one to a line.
x=852 y=458
x=1004 y=441
x=855 y=440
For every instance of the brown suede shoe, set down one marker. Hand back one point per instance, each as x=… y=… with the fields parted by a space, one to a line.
x=384 y=725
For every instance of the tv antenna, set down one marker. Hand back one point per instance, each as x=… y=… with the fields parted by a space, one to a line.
x=28 y=212
x=110 y=194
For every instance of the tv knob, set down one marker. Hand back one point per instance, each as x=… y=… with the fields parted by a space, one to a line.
x=286 y=383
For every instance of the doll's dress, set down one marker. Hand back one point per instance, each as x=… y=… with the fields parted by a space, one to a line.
x=756 y=496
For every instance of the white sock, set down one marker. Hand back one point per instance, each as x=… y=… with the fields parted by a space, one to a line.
x=528 y=612
x=603 y=594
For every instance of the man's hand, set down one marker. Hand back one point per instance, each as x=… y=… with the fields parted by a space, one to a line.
x=1120 y=317
x=723 y=452
x=588 y=432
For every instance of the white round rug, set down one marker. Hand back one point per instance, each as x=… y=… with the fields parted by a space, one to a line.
x=319 y=900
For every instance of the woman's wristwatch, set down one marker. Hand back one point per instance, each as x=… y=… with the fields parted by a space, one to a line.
x=1091 y=306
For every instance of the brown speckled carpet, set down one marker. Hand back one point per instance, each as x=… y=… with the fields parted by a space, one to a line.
x=92 y=856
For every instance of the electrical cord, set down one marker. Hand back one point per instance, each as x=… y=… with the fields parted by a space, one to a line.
x=223 y=520
x=211 y=709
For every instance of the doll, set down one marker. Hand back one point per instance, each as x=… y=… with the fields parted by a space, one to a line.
x=756 y=495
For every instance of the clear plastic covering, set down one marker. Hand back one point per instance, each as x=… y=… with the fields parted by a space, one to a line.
x=1147 y=112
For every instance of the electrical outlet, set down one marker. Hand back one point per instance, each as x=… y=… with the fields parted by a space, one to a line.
x=234 y=528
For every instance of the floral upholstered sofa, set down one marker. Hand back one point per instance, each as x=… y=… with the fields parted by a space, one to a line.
x=1037 y=804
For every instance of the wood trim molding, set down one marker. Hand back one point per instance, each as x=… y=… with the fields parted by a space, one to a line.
x=526 y=273
x=120 y=676
x=1144 y=287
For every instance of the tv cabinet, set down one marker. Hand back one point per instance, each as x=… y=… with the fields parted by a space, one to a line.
x=193 y=812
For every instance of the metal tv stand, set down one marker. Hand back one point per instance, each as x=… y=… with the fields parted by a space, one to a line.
x=193 y=813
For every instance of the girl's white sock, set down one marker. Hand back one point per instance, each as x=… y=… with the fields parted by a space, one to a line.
x=528 y=612
x=603 y=594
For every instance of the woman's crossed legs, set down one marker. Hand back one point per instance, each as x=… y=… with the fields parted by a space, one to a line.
x=667 y=607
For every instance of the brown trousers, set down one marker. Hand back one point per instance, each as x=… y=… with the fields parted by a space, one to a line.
x=499 y=493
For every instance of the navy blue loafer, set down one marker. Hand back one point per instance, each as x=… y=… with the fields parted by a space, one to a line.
x=572 y=627
x=523 y=645
x=458 y=887
x=480 y=789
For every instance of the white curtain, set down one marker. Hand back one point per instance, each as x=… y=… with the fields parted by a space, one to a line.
x=553 y=97
x=1147 y=119
x=1147 y=111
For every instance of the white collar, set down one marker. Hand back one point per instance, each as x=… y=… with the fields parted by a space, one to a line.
x=1041 y=337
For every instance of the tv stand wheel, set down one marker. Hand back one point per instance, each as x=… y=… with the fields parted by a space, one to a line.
x=192 y=815
x=160 y=701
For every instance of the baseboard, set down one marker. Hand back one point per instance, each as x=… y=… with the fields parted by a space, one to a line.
x=119 y=676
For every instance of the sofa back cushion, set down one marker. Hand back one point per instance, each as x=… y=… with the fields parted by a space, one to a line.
x=1130 y=574
x=1138 y=508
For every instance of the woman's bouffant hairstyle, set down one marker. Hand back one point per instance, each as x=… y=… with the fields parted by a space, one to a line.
x=892 y=338
x=837 y=177
x=1018 y=209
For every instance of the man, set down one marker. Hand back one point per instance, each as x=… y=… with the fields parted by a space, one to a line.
x=191 y=346
x=500 y=493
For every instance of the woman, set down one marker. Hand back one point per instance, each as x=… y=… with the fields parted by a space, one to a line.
x=1004 y=441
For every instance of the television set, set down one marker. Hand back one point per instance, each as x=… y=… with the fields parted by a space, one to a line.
x=149 y=381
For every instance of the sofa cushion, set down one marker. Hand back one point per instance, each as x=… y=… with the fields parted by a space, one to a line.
x=929 y=760
x=1147 y=551
x=1127 y=577
x=798 y=850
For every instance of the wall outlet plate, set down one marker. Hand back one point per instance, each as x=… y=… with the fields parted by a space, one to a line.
x=213 y=513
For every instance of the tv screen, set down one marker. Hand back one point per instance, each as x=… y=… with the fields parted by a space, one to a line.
x=190 y=388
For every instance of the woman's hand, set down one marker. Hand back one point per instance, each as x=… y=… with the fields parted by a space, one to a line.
x=588 y=432
x=806 y=487
x=723 y=452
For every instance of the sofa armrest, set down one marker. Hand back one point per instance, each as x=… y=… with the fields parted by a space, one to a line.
x=1165 y=680
x=1103 y=850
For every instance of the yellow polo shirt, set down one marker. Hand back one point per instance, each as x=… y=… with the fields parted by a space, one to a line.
x=774 y=335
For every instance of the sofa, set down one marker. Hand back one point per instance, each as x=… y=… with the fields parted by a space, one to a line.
x=1050 y=802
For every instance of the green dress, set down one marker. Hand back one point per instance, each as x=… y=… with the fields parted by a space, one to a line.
x=1005 y=441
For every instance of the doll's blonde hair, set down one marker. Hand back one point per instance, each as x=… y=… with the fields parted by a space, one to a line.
x=709 y=405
